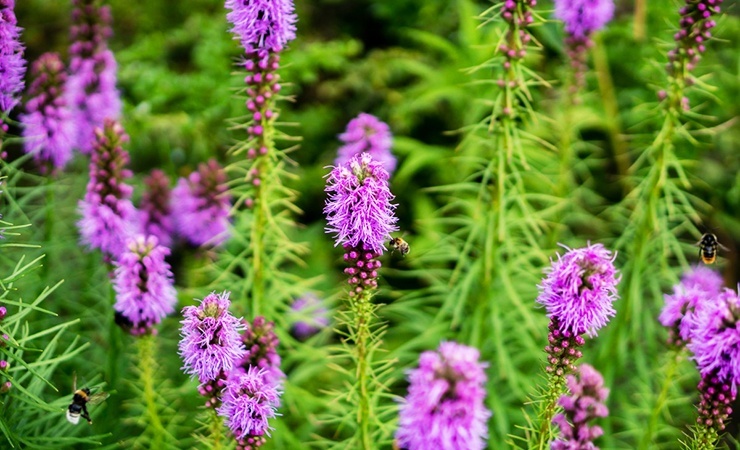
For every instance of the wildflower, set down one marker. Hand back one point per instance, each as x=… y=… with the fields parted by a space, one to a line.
x=308 y=316
x=12 y=64
x=444 y=408
x=262 y=24
x=249 y=401
x=359 y=209
x=261 y=344
x=91 y=86
x=155 y=208
x=518 y=14
x=48 y=130
x=210 y=344
x=697 y=289
x=585 y=403
x=579 y=289
x=108 y=216
x=201 y=211
x=366 y=133
x=143 y=283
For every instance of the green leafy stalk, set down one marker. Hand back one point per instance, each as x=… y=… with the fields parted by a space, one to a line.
x=146 y=347
x=674 y=358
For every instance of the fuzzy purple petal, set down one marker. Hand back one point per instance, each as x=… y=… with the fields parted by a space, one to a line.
x=367 y=133
x=249 y=401
x=12 y=63
x=262 y=24
x=583 y=17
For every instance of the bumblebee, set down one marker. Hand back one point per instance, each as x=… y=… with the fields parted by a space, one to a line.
x=80 y=399
x=708 y=246
x=397 y=243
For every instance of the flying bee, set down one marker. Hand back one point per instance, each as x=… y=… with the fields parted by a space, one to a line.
x=708 y=248
x=397 y=243
x=80 y=399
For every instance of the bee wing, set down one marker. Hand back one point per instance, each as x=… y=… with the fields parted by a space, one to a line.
x=74 y=381
x=723 y=247
x=97 y=398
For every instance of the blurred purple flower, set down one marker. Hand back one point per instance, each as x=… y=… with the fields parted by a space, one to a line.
x=359 y=209
x=444 y=408
x=585 y=403
x=308 y=316
x=697 y=289
x=155 y=208
x=12 y=64
x=579 y=289
x=261 y=343
x=108 y=216
x=48 y=131
x=262 y=24
x=584 y=17
x=143 y=283
x=91 y=87
x=210 y=344
x=366 y=133
x=201 y=209
x=715 y=342
x=249 y=401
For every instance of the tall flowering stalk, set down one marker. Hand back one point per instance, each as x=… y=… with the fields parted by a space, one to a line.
x=308 y=316
x=577 y=293
x=367 y=134
x=48 y=131
x=361 y=217
x=109 y=218
x=715 y=345
x=445 y=407
x=584 y=404
x=91 y=85
x=12 y=63
x=156 y=209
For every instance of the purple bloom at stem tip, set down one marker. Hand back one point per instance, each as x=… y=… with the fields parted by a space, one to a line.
x=444 y=408
x=579 y=289
x=249 y=401
x=359 y=209
x=367 y=133
x=210 y=343
x=583 y=17
x=262 y=25
x=155 y=210
x=144 y=285
x=12 y=63
x=584 y=403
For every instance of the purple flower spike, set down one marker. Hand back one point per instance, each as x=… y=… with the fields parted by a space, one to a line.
x=155 y=208
x=108 y=216
x=359 y=209
x=210 y=344
x=262 y=24
x=201 y=209
x=579 y=289
x=249 y=401
x=366 y=133
x=584 y=17
x=261 y=343
x=143 y=285
x=715 y=342
x=91 y=86
x=48 y=131
x=585 y=403
x=703 y=278
x=444 y=408
x=12 y=64
x=308 y=316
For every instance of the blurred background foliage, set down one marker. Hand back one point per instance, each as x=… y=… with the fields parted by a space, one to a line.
x=410 y=63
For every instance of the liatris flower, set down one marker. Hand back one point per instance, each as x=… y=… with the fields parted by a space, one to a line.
x=261 y=343
x=518 y=14
x=155 y=208
x=585 y=403
x=715 y=342
x=308 y=316
x=143 y=283
x=359 y=209
x=249 y=401
x=582 y=18
x=444 y=408
x=12 y=64
x=697 y=289
x=262 y=24
x=579 y=289
x=91 y=86
x=210 y=346
x=201 y=211
x=108 y=216
x=48 y=131
x=366 y=133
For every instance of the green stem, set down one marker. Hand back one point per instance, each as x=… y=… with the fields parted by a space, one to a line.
x=555 y=388
x=363 y=312
x=146 y=346
x=216 y=427
x=647 y=438
x=258 y=253
x=640 y=20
